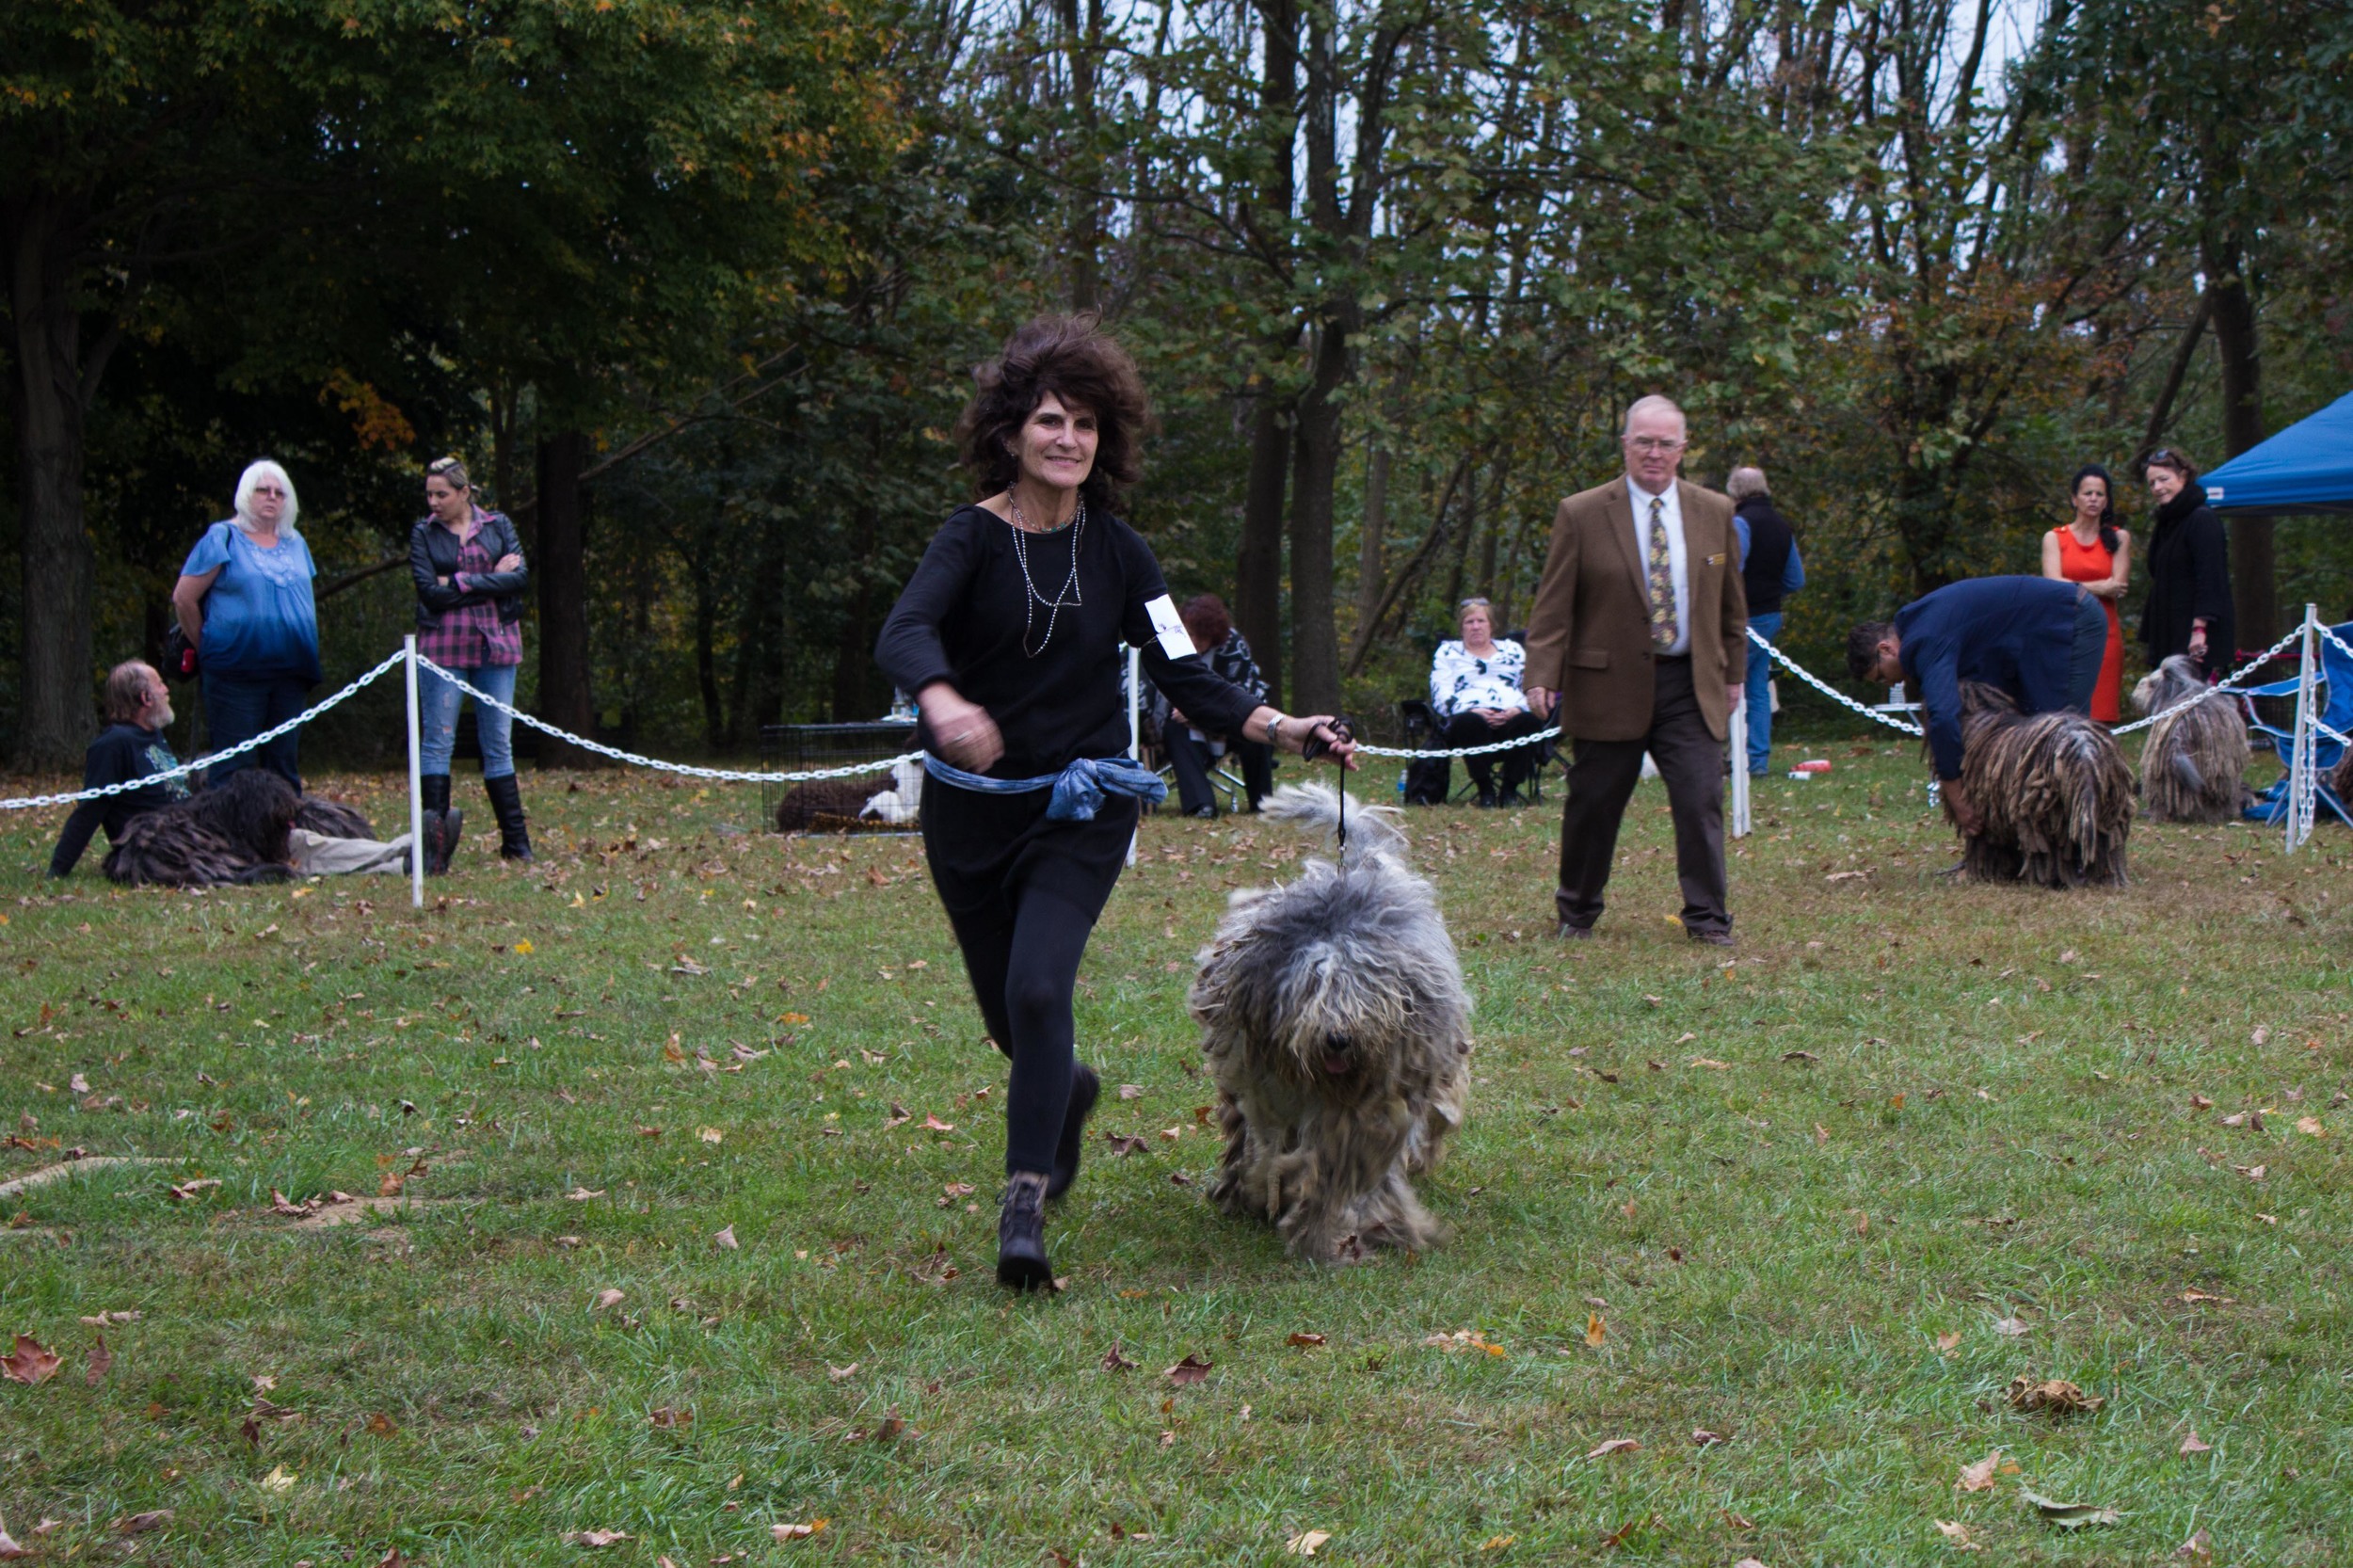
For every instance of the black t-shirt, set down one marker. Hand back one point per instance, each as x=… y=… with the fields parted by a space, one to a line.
x=1051 y=679
x=122 y=751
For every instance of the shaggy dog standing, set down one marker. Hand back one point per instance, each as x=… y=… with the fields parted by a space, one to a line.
x=1336 y=1026
x=2055 y=791
x=2194 y=767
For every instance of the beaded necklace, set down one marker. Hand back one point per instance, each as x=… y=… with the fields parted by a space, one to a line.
x=1055 y=605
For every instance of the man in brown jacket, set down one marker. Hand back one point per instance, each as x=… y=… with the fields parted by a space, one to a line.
x=1639 y=638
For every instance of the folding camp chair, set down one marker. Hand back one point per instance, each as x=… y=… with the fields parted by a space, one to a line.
x=2333 y=686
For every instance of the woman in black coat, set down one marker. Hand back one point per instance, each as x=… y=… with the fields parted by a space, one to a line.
x=1009 y=636
x=2190 y=571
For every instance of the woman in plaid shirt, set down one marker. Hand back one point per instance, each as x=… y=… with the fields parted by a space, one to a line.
x=468 y=565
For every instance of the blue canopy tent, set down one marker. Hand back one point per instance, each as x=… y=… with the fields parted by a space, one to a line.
x=2307 y=467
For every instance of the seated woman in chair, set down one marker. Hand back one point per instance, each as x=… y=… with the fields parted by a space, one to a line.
x=1188 y=751
x=1474 y=691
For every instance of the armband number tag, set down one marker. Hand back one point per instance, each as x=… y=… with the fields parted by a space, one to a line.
x=1169 y=627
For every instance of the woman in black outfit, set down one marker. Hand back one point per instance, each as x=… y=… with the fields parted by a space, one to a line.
x=1009 y=634
x=2190 y=571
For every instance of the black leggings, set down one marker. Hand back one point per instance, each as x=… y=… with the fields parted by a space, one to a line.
x=1024 y=971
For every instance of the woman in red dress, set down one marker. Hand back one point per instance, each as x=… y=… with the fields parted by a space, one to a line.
x=2089 y=549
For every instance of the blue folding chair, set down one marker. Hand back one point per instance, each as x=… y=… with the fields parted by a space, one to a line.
x=2333 y=686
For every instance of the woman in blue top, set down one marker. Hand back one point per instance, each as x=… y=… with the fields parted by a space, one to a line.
x=244 y=599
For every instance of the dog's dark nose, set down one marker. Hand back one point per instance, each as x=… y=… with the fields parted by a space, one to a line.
x=1338 y=1045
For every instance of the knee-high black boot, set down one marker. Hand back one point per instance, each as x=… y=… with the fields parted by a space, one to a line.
x=506 y=804
x=442 y=826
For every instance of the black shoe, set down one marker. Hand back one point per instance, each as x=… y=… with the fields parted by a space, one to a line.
x=1487 y=800
x=1574 y=933
x=506 y=804
x=1209 y=812
x=1511 y=795
x=1021 y=1235
x=1085 y=1088
x=1713 y=938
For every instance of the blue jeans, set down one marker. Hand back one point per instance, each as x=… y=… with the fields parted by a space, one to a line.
x=238 y=708
x=1760 y=693
x=437 y=717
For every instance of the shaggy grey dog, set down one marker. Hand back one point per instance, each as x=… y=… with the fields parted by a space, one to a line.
x=2056 y=794
x=2193 y=768
x=1336 y=1023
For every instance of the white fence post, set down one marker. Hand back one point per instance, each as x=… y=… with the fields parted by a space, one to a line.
x=2303 y=775
x=416 y=784
x=1738 y=745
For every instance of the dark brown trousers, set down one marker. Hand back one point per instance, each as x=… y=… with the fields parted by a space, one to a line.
x=1602 y=776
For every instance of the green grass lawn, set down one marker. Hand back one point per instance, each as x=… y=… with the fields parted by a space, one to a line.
x=1826 y=1198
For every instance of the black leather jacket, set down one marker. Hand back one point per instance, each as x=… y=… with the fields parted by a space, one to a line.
x=433 y=554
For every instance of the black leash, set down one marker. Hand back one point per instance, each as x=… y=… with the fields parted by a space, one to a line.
x=1314 y=746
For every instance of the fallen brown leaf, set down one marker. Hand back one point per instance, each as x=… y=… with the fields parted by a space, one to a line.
x=1979 y=1477
x=2068 y=1516
x=30 y=1362
x=1190 y=1370
x=101 y=1361
x=381 y=1425
x=1304 y=1341
x=1595 y=1329
x=1946 y=1343
x=667 y=1420
x=2197 y=1548
x=2193 y=1444
x=2052 y=1395
x=608 y=1299
x=796 y=1533
x=1614 y=1446
x=1305 y=1542
x=1114 y=1361
x=139 y=1524
x=595 y=1538
x=2014 y=1328
x=1956 y=1533
x=725 y=1239
x=1703 y=1438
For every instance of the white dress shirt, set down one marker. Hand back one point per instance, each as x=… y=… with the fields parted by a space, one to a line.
x=1678 y=562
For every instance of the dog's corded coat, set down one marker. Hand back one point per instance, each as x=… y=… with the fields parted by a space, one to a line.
x=2053 y=788
x=1338 y=1028
x=2193 y=766
x=234 y=832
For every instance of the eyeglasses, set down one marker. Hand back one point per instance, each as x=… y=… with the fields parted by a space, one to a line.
x=1653 y=445
x=268 y=490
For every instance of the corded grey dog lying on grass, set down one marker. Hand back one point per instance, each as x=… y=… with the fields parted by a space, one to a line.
x=1338 y=1028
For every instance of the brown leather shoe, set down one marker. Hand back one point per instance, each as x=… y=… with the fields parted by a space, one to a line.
x=1713 y=938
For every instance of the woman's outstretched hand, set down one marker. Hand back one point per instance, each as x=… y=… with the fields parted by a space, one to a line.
x=962 y=730
x=1335 y=738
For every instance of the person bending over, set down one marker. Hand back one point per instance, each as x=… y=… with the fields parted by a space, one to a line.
x=1190 y=752
x=1009 y=634
x=1474 y=691
x=2040 y=641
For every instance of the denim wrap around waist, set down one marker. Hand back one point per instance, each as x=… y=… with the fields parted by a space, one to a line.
x=1078 y=789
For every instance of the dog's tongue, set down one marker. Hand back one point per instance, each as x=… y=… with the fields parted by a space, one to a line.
x=1336 y=1065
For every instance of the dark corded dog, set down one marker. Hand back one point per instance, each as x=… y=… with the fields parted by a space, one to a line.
x=235 y=832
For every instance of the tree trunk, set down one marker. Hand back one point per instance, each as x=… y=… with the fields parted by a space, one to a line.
x=561 y=571
x=1258 y=562
x=2254 y=585
x=1372 y=539
x=1082 y=41
x=50 y=400
x=1315 y=639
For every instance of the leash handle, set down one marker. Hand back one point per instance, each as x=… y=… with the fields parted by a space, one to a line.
x=1314 y=747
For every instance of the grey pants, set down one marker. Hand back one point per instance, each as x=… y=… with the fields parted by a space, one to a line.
x=316 y=855
x=1602 y=776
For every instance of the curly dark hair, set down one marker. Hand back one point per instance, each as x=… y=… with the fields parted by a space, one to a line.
x=1074 y=358
x=1863 y=648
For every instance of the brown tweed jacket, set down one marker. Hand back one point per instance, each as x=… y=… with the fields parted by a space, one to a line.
x=1589 y=635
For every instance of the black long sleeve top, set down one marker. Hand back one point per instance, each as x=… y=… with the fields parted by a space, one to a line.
x=2189 y=580
x=122 y=751
x=1051 y=679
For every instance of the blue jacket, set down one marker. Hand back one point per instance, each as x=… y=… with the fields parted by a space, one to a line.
x=2015 y=632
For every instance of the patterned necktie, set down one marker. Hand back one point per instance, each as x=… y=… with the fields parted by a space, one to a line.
x=1663 y=629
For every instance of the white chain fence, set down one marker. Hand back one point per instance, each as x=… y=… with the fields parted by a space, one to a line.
x=27 y=802
x=723 y=776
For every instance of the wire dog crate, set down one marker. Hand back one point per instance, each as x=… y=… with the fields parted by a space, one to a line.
x=796 y=747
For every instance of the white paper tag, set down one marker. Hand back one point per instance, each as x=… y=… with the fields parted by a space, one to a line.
x=1170 y=627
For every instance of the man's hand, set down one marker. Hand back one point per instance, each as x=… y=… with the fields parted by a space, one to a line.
x=1965 y=810
x=1736 y=692
x=1541 y=701
x=1176 y=715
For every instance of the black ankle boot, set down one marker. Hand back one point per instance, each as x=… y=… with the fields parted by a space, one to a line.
x=1085 y=1089
x=442 y=824
x=1021 y=1234
x=506 y=804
